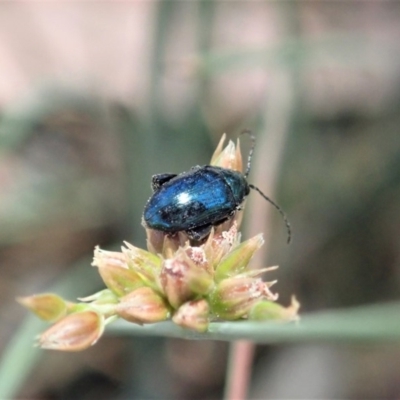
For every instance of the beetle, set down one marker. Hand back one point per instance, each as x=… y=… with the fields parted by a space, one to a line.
x=196 y=200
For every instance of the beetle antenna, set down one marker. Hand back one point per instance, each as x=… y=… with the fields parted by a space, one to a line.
x=253 y=145
x=288 y=227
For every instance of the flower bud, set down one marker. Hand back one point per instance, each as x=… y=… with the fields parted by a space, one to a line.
x=193 y=315
x=267 y=310
x=182 y=279
x=142 y=306
x=113 y=269
x=234 y=297
x=219 y=244
x=103 y=257
x=74 y=332
x=144 y=264
x=230 y=157
x=47 y=306
x=237 y=260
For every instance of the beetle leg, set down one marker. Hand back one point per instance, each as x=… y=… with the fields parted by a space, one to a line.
x=199 y=233
x=158 y=180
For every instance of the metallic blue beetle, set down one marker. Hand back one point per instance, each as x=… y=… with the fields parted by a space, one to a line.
x=199 y=199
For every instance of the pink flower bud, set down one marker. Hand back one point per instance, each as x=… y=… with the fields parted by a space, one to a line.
x=74 y=332
x=193 y=315
x=234 y=297
x=219 y=244
x=237 y=260
x=143 y=305
x=47 y=306
x=182 y=279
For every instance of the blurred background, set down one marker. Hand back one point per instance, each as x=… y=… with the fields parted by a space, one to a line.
x=97 y=97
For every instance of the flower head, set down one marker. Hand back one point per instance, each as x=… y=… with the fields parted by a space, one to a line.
x=191 y=282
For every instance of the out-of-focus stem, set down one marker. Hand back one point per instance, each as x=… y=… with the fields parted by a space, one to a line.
x=239 y=370
x=270 y=148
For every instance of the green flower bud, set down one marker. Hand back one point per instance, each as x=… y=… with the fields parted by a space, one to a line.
x=142 y=306
x=234 y=297
x=237 y=260
x=267 y=310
